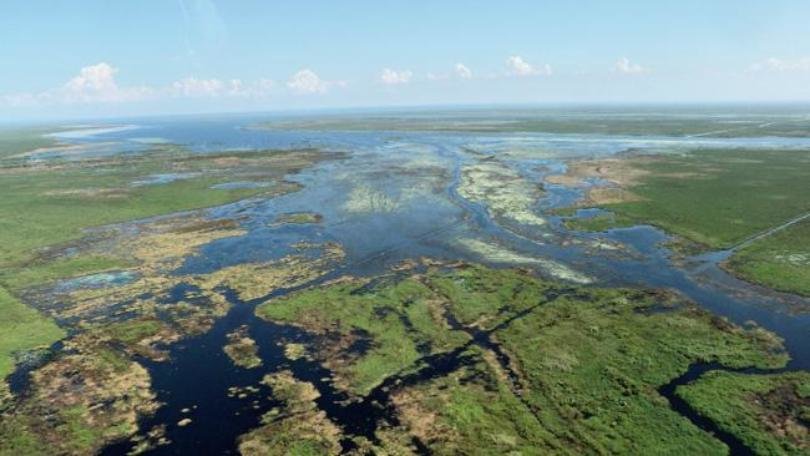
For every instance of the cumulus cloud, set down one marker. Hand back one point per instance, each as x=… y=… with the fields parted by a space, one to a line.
x=462 y=71
x=519 y=67
x=307 y=81
x=93 y=84
x=393 y=77
x=96 y=83
x=625 y=66
x=777 y=65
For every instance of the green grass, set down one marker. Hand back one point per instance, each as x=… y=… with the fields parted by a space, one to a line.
x=31 y=217
x=591 y=360
x=299 y=218
x=22 y=329
x=601 y=222
x=15 y=141
x=378 y=313
x=718 y=198
x=475 y=413
x=769 y=413
x=133 y=331
x=639 y=121
x=41 y=272
x=479 y=296
x=780 y=261
x=721 y=197
x=52 y=204
x=20 y=438
x=594 y=361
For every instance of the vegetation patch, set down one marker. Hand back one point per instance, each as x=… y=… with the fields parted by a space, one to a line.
x=14 y=141
x=395 y=322
x=592 y=362
x=577 y=368
x=242 y=350
x=23 y=329
x=141 y=336
x=295 y=427
x=47 y=205
x=472 y=410
x=769 y=413
x=600 y=222
x=698 y=195
x=505 y=193
x=780 y=261
x=255 y=280
x=609 y=121
x=495 y=253
x=364 y=199
x=298 y=218
x=80 y=402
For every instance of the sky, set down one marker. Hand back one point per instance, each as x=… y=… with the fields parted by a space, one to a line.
x=96 y=58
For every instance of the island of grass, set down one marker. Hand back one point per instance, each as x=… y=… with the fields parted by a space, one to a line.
x=296 y=428
x=298 y=218
x=769 y=413
x=525 y=364
x=242 y=349
x=715 y=199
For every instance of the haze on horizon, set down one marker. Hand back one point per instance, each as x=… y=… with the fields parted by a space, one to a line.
x=97 y=58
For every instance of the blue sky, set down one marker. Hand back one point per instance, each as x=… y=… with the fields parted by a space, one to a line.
x=101 y=57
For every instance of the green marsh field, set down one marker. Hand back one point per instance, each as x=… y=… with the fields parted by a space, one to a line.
x=506 y=281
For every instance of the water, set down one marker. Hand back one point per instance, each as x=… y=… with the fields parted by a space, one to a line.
x=100 y=280
x=416 y=176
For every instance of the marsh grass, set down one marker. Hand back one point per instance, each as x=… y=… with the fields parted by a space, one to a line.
x=780 y=261
x=51 y=203
x=720 y=197
x=769 y=413
x=588 y=361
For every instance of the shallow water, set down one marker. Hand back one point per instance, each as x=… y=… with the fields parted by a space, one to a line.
x=100 y=280
x=395 y=197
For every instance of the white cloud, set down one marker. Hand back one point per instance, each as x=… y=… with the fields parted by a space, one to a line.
x=519 y=67
x=96 y=83
x=193 y=87
x=265 y=85
x=307 y=81
x=462 y=71
x=392 y=77
x=625 y=66
x=773 y=64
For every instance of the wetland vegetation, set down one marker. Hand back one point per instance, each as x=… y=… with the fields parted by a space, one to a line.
x=540 y=367
x=455 y=283
x=715 y=199
x=769 y=412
